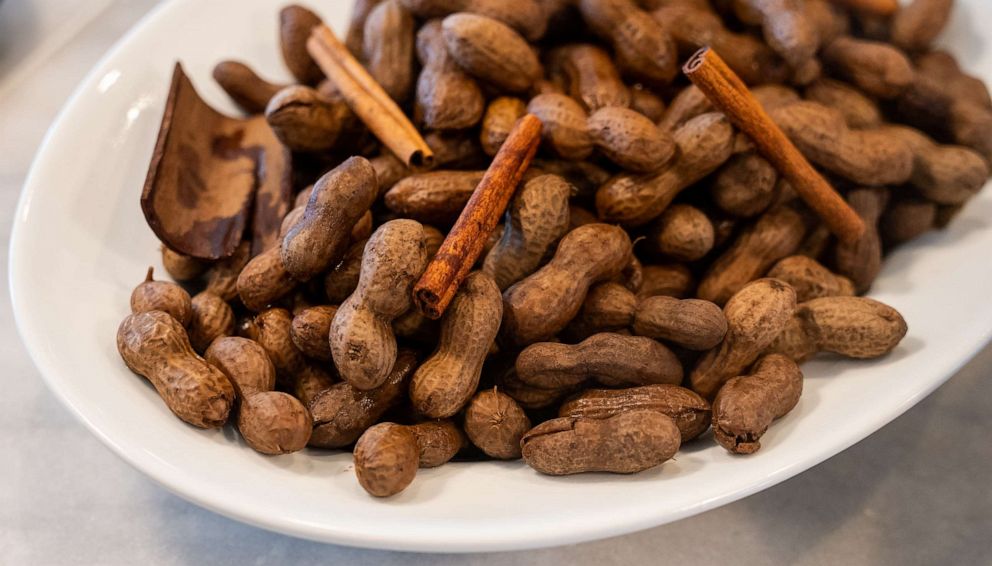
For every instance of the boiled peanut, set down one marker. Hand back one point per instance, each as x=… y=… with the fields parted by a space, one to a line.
x=164 y=296
x=691 y=323
x=690 y=412
x=212 y=318
x=447 y=98
x=310 y=330
x=491 y=51
x=495 y=423
x=810 y=279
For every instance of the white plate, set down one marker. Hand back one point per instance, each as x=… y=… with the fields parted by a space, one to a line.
x=80 y=244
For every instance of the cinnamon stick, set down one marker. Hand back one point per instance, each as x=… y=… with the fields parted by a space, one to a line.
x=728 y=93
x=368 y=100
x=464 y=243
x=878 y=7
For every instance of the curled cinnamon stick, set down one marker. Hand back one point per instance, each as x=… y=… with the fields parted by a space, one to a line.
x=728 y=93
x=878 y=7
x=368 y=100
x=465 y=241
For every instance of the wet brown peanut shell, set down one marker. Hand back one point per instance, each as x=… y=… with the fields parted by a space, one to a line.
x=362 y=342
x=916 y=25
x=182 y=267
x=810 y=278
x=944 y=174
x=248 y=90
x=212 y=318
x=589 y=76
x=340 y=282
x=274 y=333
x=608 y=358
x=437 y=442
x=525 y=16
x=683 y=233
x=386 y=459
x=855 y=327
x=491 y=51
x=861 y=261
x=164 y=296
x=870 y=157
x=745 y=186
x=340 y=199
x=541 y=305
x=704 y=143
x=647 y=103
x=670 y=280
x=360 y=11
x=446 y=381
x=690 y=412
x=608 y=307
x=447 y=98
x=264 y=280
x=295 y=25
x=305 y=120
x=859 y=111
x=643 y=48
x=627 y=443
x=271 y=422
x=153 y=344
x=387 y=48
x=691 y=323
x=537 y=218
x=786 y=26
x=907 y=219
x=222 y=277
x=433 y=198
x=310 y=381
x=878 y=69
x=495 y=423
x=500 y=117
x=747 y=405
x=776 y=234
x=755 y=315
x=342 y=413
x=310 y=330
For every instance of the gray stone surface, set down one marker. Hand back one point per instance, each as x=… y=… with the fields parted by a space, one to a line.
x=916 y=492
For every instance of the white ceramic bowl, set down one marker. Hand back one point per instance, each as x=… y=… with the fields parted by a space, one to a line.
x=80 y=244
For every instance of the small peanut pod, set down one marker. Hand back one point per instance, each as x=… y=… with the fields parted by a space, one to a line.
x=527 y=396
x=776 y=234
x=810 y=279
x=670 y=280
x=340 y=282
x=447 y=380
x=608 y=307
x=535 y=221
x=248 y=90
x=755 y=315
x=683 y=233
x=433 y=198
x=491 y=51
x=695 y=25
x=878 y=69
x=647 y=103
x=306 y=120
x=310 y=382
x=342 y=413
x=360 y=10
x=945 y=174
x=704 y=143
x=689 y=103
x=748 y=404
x=627 y=443
x=447 y=98
x=610 y=359
x=163 y=296
x=541 y=305
x=525 y=16
x=212 y=318
x=310 y=331
x=501 y=115
x=855 y=327
x=643 y=47
x=693 y=324
x=590 y=76
x=943 y=67
x=182 y=267
x=872 y=157
x=387 y=46
x=495 y=423
x=362 y=341
x=916 y=25
x=153 y=344
x=387 y=455
x=859 y=111
x=745 y=186
x=786 y=25
x=690 y=412
x=861 y=261
x=274 y=332
x=295 y=25
x=340 y=198
x=625 y=136
x=907 y=219
x=264 y=280
x=271 y=422
x=222 y=277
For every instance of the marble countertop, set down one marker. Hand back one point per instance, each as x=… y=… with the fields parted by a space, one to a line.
x=916 y=492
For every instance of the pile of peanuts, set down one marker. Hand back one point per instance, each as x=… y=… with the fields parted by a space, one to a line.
x=654 y=277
